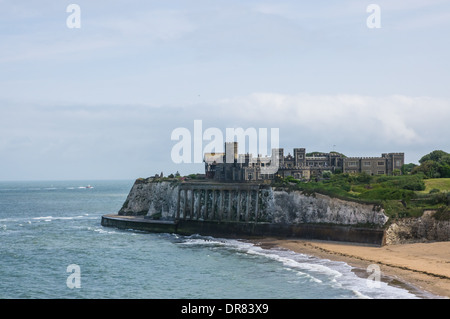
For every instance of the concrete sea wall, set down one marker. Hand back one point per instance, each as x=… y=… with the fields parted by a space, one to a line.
x=232 y=229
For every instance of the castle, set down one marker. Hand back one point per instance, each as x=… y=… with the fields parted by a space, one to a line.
x=233 y=167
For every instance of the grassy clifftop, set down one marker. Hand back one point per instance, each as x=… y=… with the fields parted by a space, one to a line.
x=400 y=196
x=436 y=184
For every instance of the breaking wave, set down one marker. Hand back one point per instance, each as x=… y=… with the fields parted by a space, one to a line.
x=323 y=272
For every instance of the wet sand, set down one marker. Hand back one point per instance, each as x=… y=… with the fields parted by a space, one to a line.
x=425 y=266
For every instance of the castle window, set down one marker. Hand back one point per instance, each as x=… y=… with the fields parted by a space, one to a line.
x=380 y=163
x=366 y=163
x=398 y=163
x=380 y=172
x=351 y=163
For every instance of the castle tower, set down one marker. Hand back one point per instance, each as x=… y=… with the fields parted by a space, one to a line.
x=299 y=157
x=395 y=161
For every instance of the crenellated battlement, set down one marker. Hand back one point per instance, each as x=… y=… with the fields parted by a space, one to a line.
x=245 y=167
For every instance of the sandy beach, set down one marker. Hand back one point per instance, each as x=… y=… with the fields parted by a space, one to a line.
x=425 y=266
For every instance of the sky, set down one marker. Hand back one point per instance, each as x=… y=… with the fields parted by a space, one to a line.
x=102 y=100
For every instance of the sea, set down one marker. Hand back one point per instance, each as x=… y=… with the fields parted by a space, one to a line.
x=52 y=246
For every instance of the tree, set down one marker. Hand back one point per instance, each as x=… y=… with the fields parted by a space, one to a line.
x=429 y=167
x=434 y=165
x=337 y=153
x=444 y=170
x=445 y=159
x=407 y=168
x=433 y=156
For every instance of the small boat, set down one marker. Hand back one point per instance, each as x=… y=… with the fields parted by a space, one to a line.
x=89 y=186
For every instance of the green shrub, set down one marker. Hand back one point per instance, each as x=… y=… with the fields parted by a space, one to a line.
x=291 y=179
x=326 y=174
x=388 y=194
x=440 y=198
x=359 y=188
x=410 y=182
x=414 y=183
x=364 y=178
x=442 y=213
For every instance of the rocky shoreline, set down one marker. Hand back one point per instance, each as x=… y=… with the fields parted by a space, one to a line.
x=417 y=230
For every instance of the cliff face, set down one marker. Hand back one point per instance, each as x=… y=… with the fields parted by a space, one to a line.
x=294 y=207
x=159 y=199
x=413 y=230
x=151 y=198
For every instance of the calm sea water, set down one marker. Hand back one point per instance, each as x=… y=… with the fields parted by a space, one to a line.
x=47 y=226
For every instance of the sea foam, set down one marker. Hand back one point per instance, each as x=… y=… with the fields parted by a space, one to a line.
x=334 y=274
